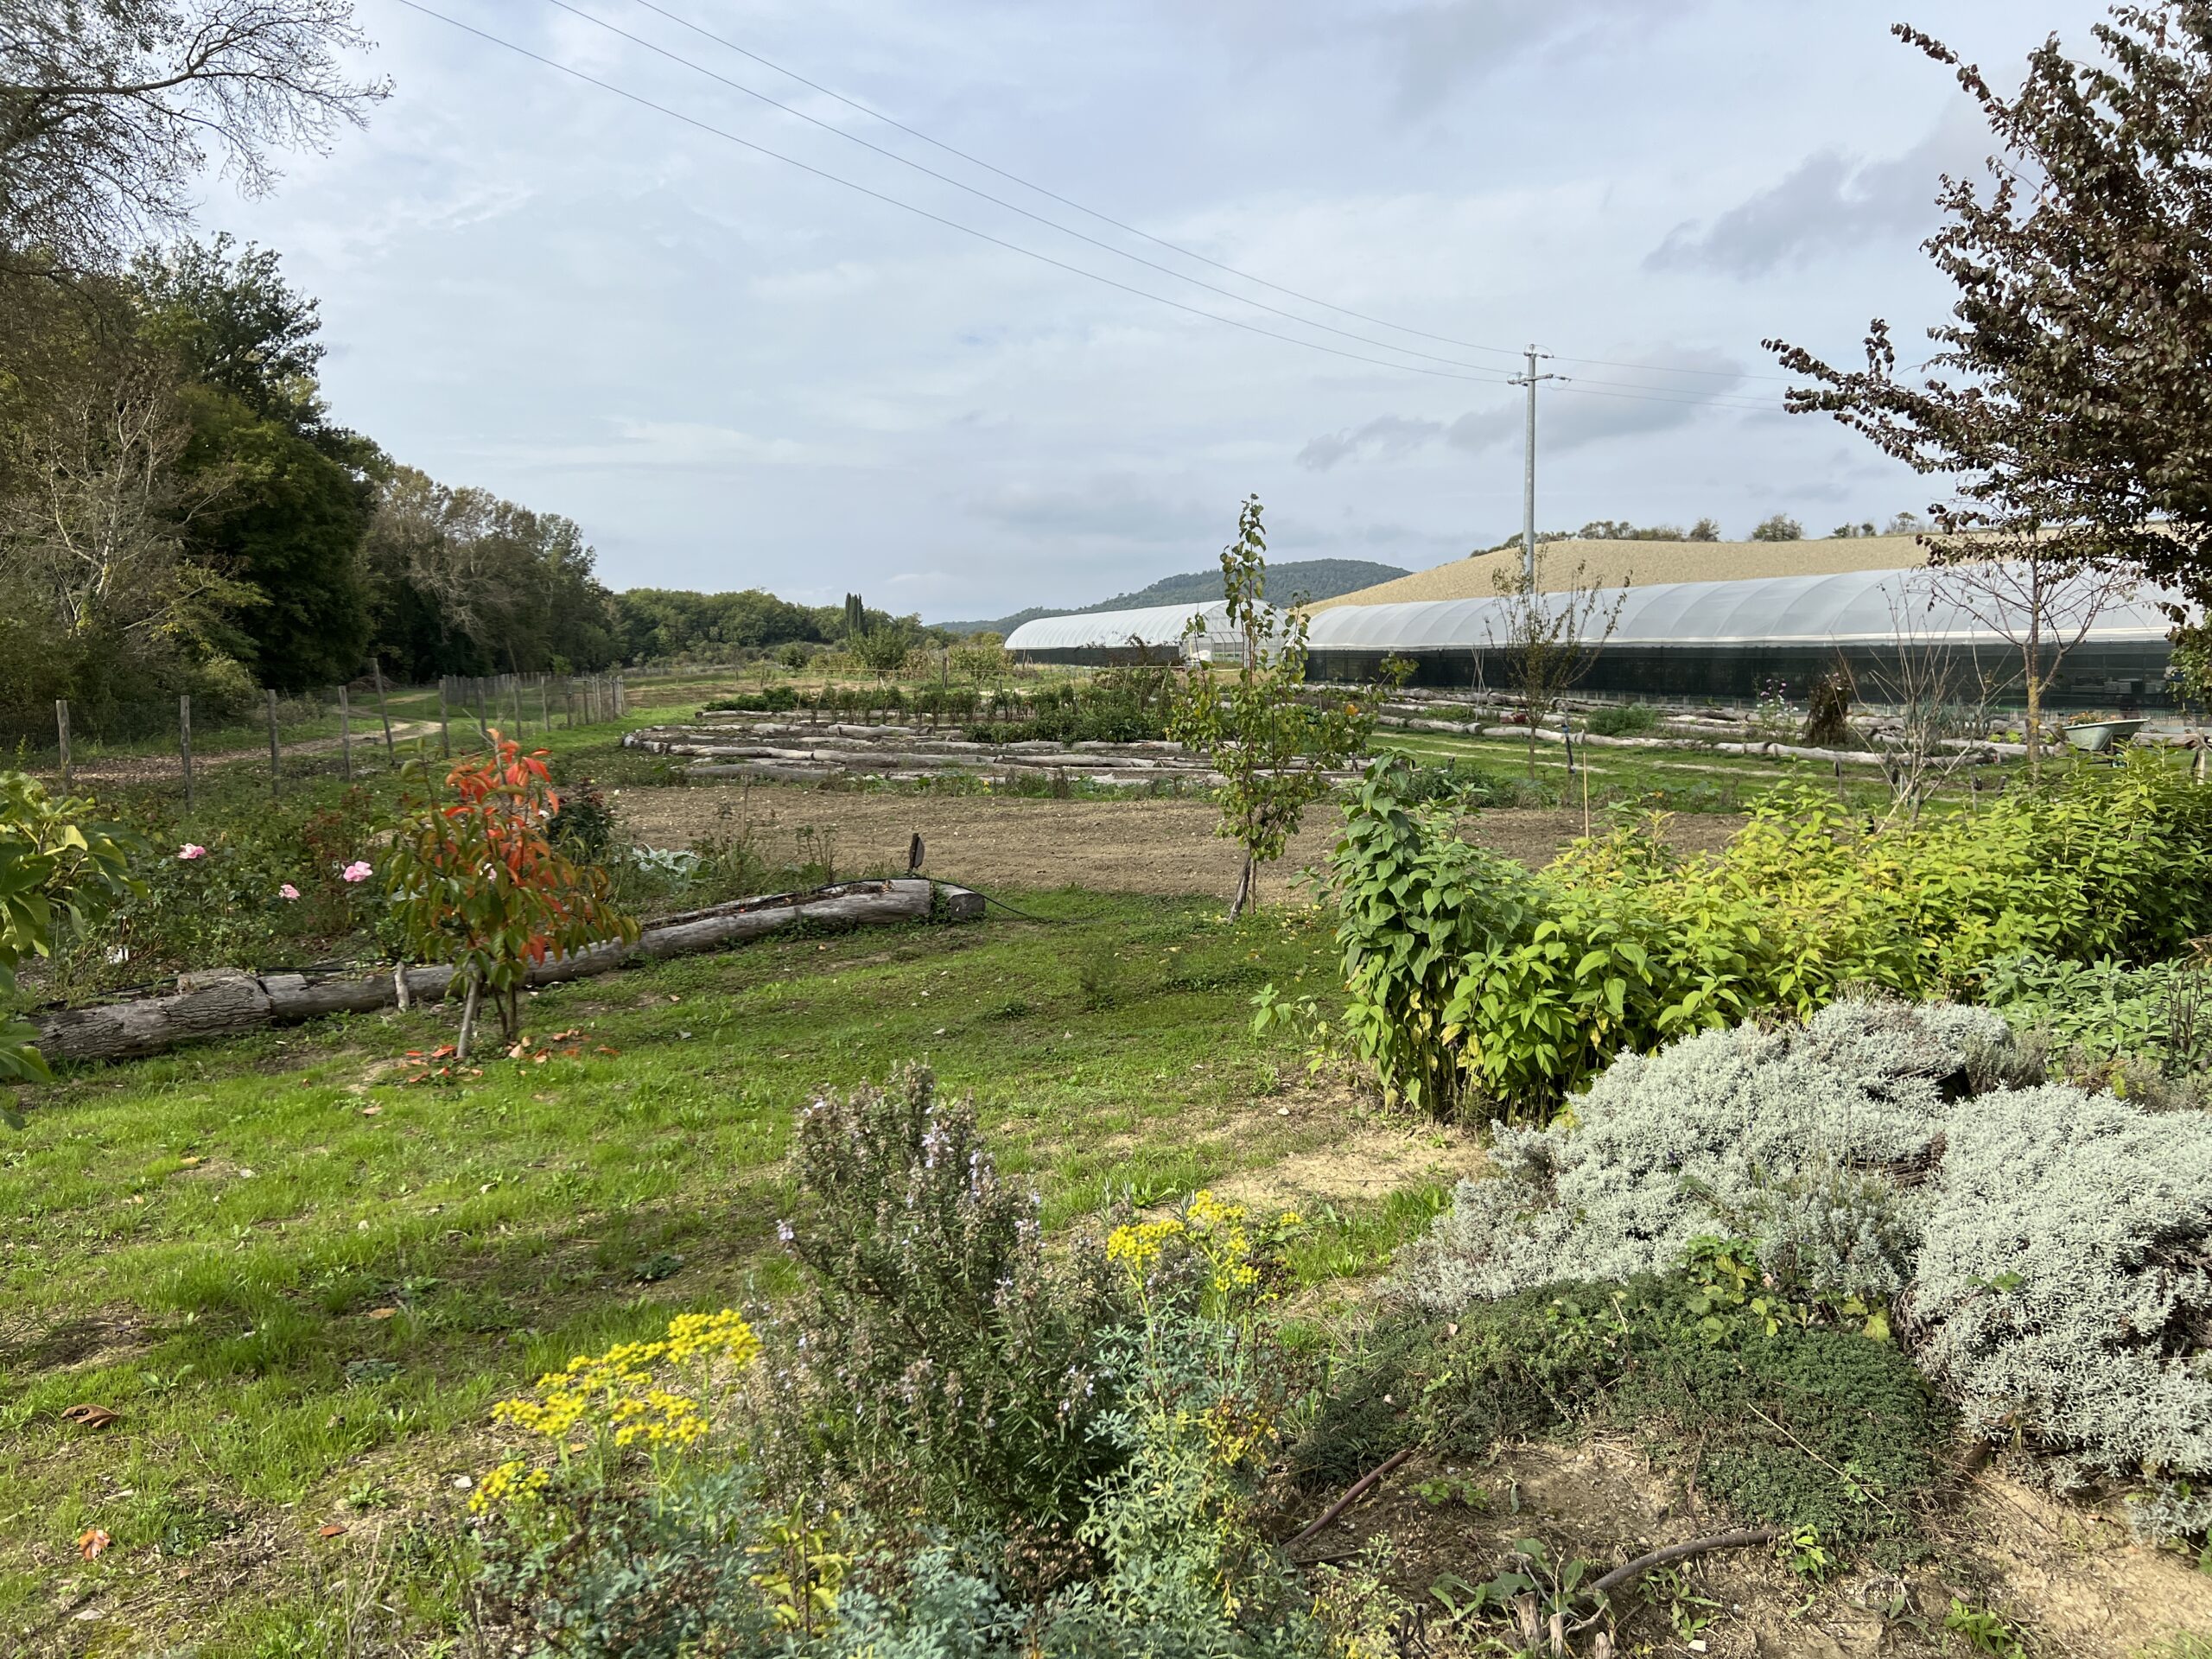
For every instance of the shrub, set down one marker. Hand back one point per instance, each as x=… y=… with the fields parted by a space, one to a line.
x=935 y=1358
x=582 y=826
x=475 y=882
x=1471 y=977
x=1762 y=1133
x=58 y=868
x=2043 y=1245
x=1622 y=720
x=2062 y=1292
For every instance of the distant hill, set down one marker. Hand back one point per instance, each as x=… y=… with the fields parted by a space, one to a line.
x=1315 y=578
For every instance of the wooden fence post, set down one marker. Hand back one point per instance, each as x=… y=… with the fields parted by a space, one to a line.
x=184 y=742
x=514 y=696
x=383 y=714
x=275 y=767
x=445 y=734
x=544 y=713
x=346 y=731
x=62 y=725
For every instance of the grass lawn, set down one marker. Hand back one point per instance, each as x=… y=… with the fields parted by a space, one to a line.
x=301 y=1281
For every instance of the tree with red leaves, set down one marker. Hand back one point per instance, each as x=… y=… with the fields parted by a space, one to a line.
x=475 y=880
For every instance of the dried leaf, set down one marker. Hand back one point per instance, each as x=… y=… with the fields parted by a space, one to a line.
x=382 y=1312
x=90 y=1541
x=91 y=1416
x=330 y=1530
x=371 y=1111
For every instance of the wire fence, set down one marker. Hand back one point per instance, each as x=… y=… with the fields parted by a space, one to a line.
x=366 y=725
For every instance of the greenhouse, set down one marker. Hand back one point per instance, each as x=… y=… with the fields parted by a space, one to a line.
x=1102 y=638
x=1726 y=641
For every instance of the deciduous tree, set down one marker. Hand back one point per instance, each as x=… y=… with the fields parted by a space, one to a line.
x=1272 y=742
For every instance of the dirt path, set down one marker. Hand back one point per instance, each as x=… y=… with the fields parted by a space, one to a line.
x=1141 y=846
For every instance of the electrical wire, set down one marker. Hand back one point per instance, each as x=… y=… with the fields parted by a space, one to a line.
x=1499 y=378
x=1478 y=376
x=1158 y=241
x=1015 y=207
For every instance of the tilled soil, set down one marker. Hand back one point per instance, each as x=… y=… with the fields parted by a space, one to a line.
x=1136 y=846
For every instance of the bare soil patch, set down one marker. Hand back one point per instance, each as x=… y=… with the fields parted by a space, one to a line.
x=1141 y=846
x=2068 y=1578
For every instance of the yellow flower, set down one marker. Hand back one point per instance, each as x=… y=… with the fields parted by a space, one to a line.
x=1140 y=1243
x=511 y=1480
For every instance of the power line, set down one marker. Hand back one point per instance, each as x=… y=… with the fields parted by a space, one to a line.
x=924 y=212
x=1013 y=207
x=1480 y=375
x=1108 y=218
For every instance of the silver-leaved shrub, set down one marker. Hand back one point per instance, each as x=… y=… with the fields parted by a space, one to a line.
x=2049 y=1249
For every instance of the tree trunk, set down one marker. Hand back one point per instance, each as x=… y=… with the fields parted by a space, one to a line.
x=2033 y=654
x=467 y=1036
x=1247 y=888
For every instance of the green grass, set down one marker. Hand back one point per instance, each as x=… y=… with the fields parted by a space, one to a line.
x=338 y=1320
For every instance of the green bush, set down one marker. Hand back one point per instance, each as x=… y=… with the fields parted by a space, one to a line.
x=59 y=870
x=935 y=1361
x=1622 y=720
x=2107 y=1010
x=1472 y=980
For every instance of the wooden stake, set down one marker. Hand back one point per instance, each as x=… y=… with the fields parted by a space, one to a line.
x=62 y=725
x=383 y=714
x=346 y=731
x=276 y=768
x=184 y=743
x=445 y=735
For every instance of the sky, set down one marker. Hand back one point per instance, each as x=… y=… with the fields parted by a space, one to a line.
x=734 y=372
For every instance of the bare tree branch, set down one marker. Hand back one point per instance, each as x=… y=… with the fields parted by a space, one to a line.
x=111 y=109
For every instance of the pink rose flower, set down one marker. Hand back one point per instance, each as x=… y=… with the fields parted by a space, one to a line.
x=359 y=870
x=288 y=891
x=191 y=849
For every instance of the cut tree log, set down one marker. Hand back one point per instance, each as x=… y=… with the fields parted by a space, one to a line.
x=227 y=1001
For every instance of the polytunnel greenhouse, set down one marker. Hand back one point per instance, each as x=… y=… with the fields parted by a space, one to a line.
x=1730 y=641
x=1101 y=639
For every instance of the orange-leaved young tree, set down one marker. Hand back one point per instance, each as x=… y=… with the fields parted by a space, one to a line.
x=475 y=882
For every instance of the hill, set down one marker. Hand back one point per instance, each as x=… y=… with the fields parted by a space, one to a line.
x=1642 y=564
x=1315 y=578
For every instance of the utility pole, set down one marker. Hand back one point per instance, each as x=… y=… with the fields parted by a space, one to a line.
x=1528 y=480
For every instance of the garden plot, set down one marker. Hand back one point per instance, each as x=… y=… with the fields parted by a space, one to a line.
x=781 y=750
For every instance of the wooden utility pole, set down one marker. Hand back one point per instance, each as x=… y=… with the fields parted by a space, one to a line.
x=184 y=742
x=62 y=725
x=276 y=766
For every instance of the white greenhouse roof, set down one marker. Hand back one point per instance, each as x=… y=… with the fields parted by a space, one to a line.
x=1156 y=625
x=1872 y=606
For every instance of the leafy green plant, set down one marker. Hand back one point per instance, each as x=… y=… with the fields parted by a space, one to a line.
x=1473 y=979
x=1622 y=720
x=58 y=868
x=474 y=880
x=1981 y=1629
x=1273 y=746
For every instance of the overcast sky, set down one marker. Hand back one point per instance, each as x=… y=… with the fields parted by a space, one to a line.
x=735 y=374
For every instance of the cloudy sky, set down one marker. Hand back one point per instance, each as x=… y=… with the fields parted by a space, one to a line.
x=735 y=373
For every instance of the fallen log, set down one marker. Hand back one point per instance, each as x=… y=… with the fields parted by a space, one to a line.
x=226 y=1002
